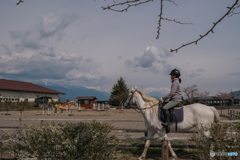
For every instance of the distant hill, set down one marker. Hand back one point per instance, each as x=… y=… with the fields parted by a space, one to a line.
x=237 y=94
x=73 y=91
x=155 y=94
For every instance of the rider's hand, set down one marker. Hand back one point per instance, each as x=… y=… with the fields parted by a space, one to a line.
x=161 y=100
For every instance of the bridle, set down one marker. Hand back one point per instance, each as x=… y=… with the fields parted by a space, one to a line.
x=128 y=104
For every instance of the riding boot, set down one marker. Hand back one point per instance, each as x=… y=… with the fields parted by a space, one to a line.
x=167 y=119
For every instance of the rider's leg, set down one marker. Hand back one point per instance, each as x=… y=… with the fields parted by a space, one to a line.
x=168 y=106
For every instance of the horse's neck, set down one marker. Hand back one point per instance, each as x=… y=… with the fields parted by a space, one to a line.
x=143 y=108
x=140 y=102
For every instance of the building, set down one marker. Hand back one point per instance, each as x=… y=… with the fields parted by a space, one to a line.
x=86 y=102
x=215 y=101
x=17 y=91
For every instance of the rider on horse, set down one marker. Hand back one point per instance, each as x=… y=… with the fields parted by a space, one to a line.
x=174 y=95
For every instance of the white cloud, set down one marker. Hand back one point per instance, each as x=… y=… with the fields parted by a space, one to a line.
x=13 y=71
x=42 y=66
x=150 y=61
x=77 y=74
x=50 y=25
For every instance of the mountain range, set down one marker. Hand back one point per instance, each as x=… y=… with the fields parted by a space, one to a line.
x=73 y=91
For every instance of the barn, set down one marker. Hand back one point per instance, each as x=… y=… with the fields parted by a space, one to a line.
x=17 y=91
x=86 y=102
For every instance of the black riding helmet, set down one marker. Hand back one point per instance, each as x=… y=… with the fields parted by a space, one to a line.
x=175 y=72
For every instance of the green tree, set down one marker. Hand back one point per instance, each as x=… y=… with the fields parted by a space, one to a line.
x=119 y=93
x=232 y=96
x=21 y=106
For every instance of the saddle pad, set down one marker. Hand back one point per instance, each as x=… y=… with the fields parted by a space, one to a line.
x=178 y=113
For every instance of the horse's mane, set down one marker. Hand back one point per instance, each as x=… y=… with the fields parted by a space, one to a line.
x=147 y=98
x=149 y=101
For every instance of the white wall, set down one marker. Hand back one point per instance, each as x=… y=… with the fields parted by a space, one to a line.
x=21 y=96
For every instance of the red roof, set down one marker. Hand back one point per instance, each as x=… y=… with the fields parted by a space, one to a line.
x=24 y=86
x=86 y=97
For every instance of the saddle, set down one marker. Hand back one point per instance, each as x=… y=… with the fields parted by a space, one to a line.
x=175 y=113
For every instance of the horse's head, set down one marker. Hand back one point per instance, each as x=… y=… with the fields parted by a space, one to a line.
x=131 y=98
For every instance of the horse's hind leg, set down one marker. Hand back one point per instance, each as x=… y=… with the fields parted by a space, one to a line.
x=149 y=135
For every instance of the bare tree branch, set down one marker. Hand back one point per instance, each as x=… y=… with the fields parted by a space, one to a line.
x=211 y=30
x=19 y=2
x=128 y=3
x=173 y=20
x=190 y=92
x=159 y=21
x=171 y=1
x=232 y=12
x=205 y=94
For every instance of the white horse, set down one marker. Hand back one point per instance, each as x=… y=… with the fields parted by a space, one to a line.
x=194 y=115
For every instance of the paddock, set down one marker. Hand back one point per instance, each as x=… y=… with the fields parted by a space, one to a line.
x=129 y=123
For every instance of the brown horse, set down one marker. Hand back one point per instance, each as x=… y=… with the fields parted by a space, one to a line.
x=64 y=106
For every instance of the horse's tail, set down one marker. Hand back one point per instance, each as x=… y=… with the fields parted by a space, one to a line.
x=216 y=115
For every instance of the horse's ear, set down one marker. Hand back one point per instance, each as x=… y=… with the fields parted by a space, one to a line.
x=135 y=87
x=132 y=88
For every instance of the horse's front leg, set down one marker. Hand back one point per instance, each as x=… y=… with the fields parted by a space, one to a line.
x=149 y=135
x=172 y=151
x=162 y=133
x=55 y=111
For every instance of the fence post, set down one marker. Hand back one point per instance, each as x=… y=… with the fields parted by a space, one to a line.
x=41 y=123
x=165 y=150
x=79 y=107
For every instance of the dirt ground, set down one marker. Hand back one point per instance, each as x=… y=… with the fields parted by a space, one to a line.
x=30 y=117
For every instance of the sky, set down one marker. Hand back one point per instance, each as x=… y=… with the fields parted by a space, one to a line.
x=76 y=42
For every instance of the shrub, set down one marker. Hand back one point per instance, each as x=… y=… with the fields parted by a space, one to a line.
x=222 y=139
x=64 y=141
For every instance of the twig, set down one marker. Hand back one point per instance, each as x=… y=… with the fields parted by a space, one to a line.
x=19 y=2
x=211 y=30
x=232 y=12
x=159 y=21
x=171 y=1
x=173 y=20
x=128 y=3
